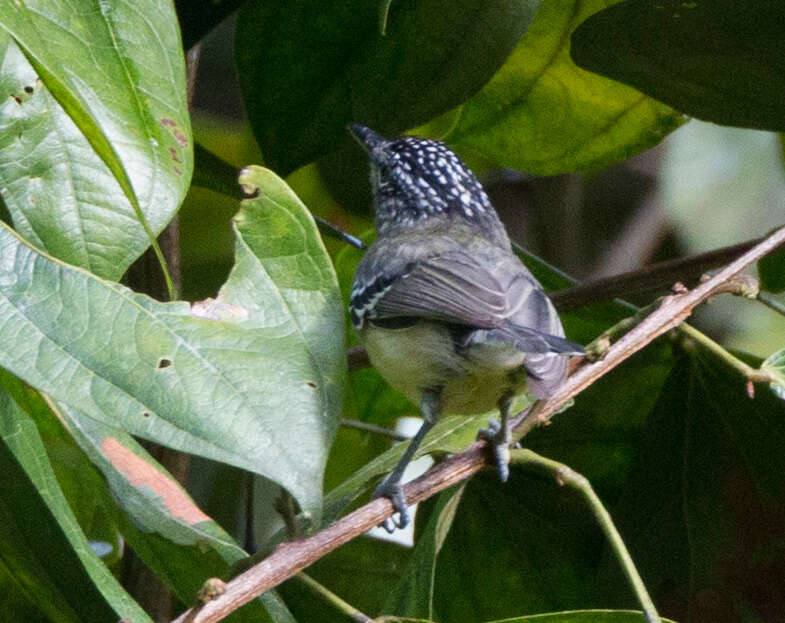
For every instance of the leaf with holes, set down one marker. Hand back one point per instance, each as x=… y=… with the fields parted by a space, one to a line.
x=542 y=114
x=94 y=121
x=253 y=378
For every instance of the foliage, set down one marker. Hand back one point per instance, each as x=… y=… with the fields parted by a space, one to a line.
x=97 y=157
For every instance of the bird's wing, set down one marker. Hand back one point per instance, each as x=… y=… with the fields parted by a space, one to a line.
x=504 y=300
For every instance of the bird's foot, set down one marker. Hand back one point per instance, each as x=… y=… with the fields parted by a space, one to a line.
x=393 y=491
x=499 y=439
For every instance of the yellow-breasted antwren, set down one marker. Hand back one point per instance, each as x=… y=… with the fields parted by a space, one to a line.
x=449 y=315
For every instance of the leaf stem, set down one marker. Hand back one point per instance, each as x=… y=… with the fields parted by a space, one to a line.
x=331 y=598
x=747 y=371
x=566 y=476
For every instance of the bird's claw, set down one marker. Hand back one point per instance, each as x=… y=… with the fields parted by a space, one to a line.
x=499 y=439
x=393 y=491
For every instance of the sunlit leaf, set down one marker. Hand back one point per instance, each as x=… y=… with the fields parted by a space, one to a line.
x=96 y=121
x=230 y=380
x=542 y=114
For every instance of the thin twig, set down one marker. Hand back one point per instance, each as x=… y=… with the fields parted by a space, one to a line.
x=331 y=598
x=659 y=276
x=290 y=558
x=672 y=312
x=376 y=430
x=564 y=475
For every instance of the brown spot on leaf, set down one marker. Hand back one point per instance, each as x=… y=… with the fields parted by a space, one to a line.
x=173 y=151
x=176 y=170
x=139 y=472
x=180 y=137
x=28 y=89
x=17 y=99
x=163 y=362
x=169 y=123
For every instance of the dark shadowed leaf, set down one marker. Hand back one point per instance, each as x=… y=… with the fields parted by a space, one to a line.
x=413 y=596
x=198 y=17
x=719 y=60
x=96 y=121
x=771 y=270
x=163 y=526
x=230 y=380
x=44 y=550
x=703 y=511
x=542 y=114
x=308 y=68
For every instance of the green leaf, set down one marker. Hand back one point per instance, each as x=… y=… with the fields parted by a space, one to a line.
x=775 y=366
x=44 y=550
x=308 y=68
x=106 y=117
x=542 y=114
x=414 y=594
x=229 y=380
x=721 y=61
x=771 y=271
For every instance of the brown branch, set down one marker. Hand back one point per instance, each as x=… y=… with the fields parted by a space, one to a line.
x=290 y=558
x=659 y=276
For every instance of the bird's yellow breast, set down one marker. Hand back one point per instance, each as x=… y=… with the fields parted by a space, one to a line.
x=423 y=356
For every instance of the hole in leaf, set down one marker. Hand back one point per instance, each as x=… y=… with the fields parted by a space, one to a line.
x=163 y=362
x=28 y=89
x=311 y=384
x=145 y=414
x=17 y=99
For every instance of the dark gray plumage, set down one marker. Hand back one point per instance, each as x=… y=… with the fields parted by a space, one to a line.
x=449 y=315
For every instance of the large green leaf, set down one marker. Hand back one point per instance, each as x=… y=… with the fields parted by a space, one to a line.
x=96 y=122
x=307 y=68
x=253 y=379
x=720 y=60
x=43 y=549
x=542 y=114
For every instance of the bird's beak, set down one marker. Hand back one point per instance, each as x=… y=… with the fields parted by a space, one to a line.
x=368 y=139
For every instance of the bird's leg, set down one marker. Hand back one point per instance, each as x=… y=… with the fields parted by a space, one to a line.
x=391 y=488
x=499 y=436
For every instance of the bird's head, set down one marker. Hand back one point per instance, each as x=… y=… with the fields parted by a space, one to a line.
x=415 y=179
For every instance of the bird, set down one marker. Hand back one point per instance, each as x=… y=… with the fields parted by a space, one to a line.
x=448 y=314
